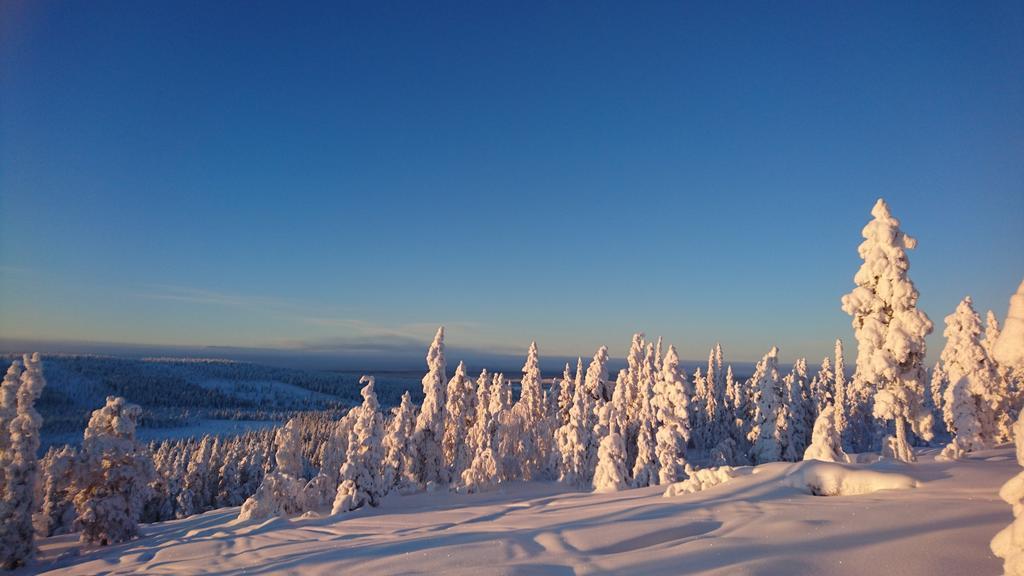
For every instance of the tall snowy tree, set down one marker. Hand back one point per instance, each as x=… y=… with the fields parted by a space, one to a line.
x=645 y=468
x=798 y=417
x=430 y=466
x=534 y=439
x=971 y=401
x=597 y=382
x=482 y=472
x=398 y=462
x=841 y=394
x=671 y=405
x=21 y=469
x=565 y=392
x=890 y=331
x=576 y=438
x=460 y=413
x=1008 y=544
x=362 y=482
x=113 y=482
x=765 y=435
x=8 y=406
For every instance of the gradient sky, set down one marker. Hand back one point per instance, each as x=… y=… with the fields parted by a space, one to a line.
x=313 y=176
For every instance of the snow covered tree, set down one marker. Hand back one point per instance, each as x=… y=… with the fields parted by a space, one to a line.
x=1008 y=395
x=57 y=513
x=460 y=414
x=890 y=331
x=430 y=466
x=822 y=387
x=971 y=401
x=565 y=391
x=576 y=437
x=8 y=407
x=714 y=420
x=282 y=492
x=764 y=432
x=991 y=334
x=596 y=382
x=361 y=476
x=1008 y=544
x=398 y=462
x=20 y=468
x=672 y=407
x=639 y=420
x=937 y=383
x=797 y=414
x=289 y=449
x=534 y=439
x=1009 y=347
x=482 y=472
x=500 y=396
x=645 y=466
x=112 y=484
x=826 y=443
x=960 y=411
x=841 y=402
x=610 y=475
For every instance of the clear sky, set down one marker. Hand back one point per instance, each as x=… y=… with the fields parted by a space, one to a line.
x=303 y=176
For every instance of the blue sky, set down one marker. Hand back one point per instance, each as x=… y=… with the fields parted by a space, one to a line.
x=323 y=176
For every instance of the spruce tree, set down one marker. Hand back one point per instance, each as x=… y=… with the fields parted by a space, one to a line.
x=890 y=331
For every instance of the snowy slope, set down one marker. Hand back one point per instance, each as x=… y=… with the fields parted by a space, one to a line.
x=760 y=523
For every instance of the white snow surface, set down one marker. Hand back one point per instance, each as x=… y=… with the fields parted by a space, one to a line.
x=753 y=524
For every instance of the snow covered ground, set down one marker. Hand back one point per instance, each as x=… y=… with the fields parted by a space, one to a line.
x=765 y=522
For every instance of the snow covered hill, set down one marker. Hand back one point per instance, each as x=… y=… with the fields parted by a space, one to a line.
x=765 y=522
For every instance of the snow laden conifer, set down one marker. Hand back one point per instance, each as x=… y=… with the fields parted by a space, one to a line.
x=398 y=462
x=281 y=491
x=534 y=437
x=361 y=478
x=1008 y=544
x=596 y=382
x=764 y=433
x=890 y=331
x=57 y=513
x=8 y=406
x=971 y=404
x=565 y=392
x=430 y=465
x=460 y=413
x=21 y=468
x=289 y=449
x=576 y=437
x=822 y=387
x=500 y=395
x=841 y=394
x=826 y=443
x=672 y=407
x=610 y=475
x=482 y=472
x=645 y=467
x=113 y=482
x=1009 y=347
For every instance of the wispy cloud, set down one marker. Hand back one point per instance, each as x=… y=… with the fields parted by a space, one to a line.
x=202 y=296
